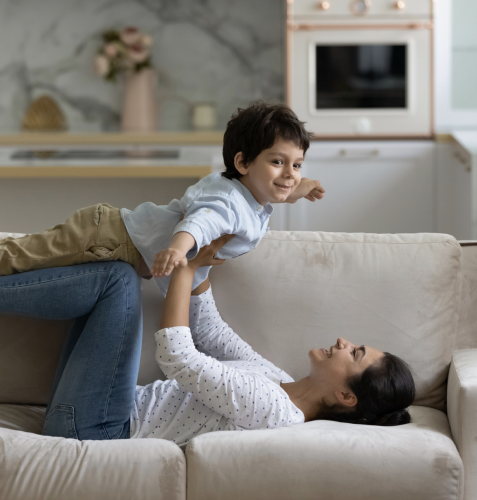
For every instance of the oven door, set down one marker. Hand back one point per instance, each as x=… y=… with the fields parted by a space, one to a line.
x=374 y=82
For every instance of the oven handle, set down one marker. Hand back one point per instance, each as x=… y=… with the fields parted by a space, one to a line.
x=359 y=153
x=314 y=27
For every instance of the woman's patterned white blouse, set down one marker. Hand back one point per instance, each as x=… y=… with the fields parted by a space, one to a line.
x=216 y=382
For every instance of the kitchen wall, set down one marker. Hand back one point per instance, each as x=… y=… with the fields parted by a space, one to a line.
x=32 y=205
x=225 y=51
x=464 y=54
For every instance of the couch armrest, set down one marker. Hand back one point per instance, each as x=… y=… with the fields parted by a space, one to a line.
x=467 y=326
x=40 y=467
x=462 y=413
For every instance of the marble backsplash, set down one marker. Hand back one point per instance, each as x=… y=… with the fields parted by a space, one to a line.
x=228 y=52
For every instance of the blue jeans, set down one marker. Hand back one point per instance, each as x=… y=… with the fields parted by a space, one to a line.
x=94 y=388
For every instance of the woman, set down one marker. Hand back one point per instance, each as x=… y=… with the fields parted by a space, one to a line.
x=216 y=381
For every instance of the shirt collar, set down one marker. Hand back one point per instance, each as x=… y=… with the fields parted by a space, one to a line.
x=251 y=200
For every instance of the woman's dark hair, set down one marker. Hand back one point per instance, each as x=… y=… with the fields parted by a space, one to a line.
x=384 y=391
x=253 y=129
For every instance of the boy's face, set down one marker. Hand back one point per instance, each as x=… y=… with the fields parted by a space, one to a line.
x=274 y=174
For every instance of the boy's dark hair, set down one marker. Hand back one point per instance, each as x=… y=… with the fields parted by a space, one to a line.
x=253 y=129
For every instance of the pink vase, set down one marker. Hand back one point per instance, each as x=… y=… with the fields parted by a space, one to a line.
x=139 y=104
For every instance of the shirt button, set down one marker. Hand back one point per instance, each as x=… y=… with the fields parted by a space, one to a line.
x=259 y=208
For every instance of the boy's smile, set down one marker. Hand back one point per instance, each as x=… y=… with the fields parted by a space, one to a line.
x=274 y=174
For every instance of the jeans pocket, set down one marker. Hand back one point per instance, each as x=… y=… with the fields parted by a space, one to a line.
x=60 y=422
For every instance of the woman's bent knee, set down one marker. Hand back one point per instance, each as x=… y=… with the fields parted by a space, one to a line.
x=125 y=277
x=123 y=269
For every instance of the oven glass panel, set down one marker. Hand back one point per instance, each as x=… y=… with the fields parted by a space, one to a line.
x=360 y=76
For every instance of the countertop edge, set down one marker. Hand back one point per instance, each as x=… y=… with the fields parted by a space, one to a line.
x=113 y=139
x=467 y=139
x=122 y=172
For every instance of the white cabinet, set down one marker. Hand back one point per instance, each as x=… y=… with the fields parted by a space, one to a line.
x=372 y=187
x=465 y=185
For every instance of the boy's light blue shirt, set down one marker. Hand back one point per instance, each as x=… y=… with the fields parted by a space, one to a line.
x=212 y=207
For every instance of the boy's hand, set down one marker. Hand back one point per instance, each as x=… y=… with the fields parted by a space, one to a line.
x=309 y=189
x=166 y=260
x=174 y=256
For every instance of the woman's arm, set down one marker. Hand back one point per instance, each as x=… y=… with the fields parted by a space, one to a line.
x=212 y=335
x=249 y=400
x=176 y=306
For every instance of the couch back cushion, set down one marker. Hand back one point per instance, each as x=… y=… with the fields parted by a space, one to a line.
x=398 y=293
x=29 y=353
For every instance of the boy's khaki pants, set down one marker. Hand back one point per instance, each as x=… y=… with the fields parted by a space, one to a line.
x=91 y=234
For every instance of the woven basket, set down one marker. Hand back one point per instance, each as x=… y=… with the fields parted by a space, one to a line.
x=44 y=115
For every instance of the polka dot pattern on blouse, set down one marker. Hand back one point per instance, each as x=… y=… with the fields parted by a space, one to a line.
x=216 y=381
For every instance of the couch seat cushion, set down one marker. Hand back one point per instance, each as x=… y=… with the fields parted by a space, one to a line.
x=22 y=418
x=41 y=467
x=325 y=460
x=49 y=468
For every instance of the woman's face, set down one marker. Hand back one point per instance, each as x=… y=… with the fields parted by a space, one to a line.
x=331 y=368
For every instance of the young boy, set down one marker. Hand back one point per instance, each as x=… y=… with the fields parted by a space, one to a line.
x=264 y=147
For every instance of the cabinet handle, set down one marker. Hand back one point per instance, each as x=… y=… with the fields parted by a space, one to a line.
x=359 y=153
x=467 y=164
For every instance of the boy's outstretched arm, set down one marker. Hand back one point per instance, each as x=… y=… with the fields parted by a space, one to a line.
x=205 y=220
x=174 y=255
x=309 y=189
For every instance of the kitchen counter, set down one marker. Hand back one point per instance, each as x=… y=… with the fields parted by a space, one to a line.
x=110 y=155
x=112 y=171
x=465 y=183
x=60 y=163
x=161 y=155
x=467 y=139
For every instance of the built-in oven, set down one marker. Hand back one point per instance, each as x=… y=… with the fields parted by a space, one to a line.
x=361 y=67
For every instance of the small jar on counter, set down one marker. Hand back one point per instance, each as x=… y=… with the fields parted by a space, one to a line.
x=204 y=116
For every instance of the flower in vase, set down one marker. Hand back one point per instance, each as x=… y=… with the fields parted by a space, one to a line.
x=124 y=51
x=147 y=40
x=101 y=64
x=138 y=53
x=130 y=36
x=111 y=50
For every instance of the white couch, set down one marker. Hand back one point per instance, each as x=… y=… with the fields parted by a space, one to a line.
x=412 y=295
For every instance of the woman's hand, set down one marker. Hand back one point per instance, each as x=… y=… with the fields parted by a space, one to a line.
x=205 y=257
